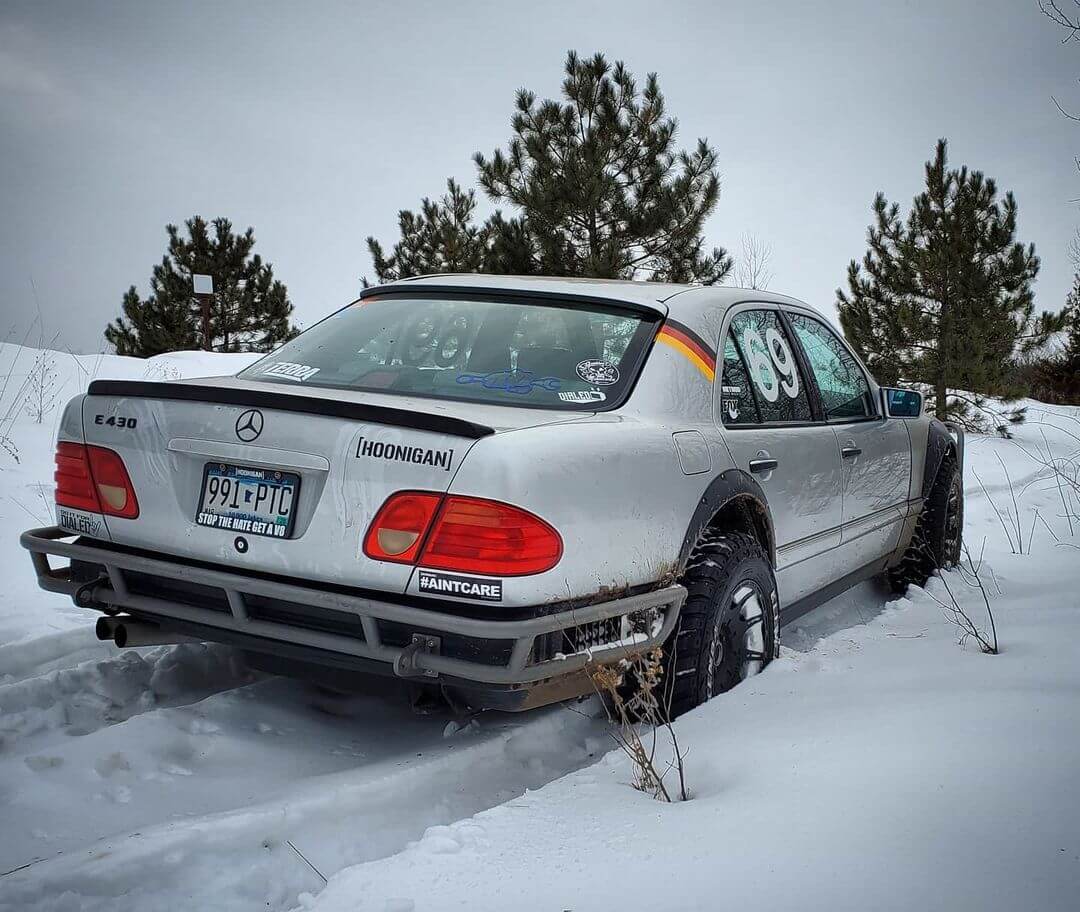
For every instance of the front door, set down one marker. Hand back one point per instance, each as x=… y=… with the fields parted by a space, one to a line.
x=875 y=452
x=771 y=432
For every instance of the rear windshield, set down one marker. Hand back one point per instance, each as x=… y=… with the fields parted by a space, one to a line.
x=510 y=352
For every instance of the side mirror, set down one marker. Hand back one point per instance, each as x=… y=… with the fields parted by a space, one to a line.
x=902 y=403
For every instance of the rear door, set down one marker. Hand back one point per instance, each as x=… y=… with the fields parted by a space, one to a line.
x=772 y=432
x=875 y=452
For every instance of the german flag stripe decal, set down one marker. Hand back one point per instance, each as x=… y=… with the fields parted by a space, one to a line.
x=689 y=344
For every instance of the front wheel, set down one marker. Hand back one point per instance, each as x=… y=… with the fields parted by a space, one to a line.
x=729 y=627
x=938 y=538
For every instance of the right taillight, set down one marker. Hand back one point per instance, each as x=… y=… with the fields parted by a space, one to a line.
x=489 y=537
x=94 y=478
x=467 y=534
x=397 y=532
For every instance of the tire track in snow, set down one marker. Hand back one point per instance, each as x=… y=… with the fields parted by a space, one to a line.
x=83 y=698
x=358 y=813
x=39 y=655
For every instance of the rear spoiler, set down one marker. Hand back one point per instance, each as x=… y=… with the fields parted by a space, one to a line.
x=288 y=402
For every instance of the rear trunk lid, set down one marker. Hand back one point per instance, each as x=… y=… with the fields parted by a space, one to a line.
x=340 y=453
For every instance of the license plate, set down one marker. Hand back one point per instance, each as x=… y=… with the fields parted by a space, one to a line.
x=252 y=501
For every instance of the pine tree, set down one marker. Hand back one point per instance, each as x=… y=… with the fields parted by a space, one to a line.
x=600 y=185
x=250 y=312
x=1068 y=364
x=511 y=249
x=944 y=298
x=1054 y=376
x=596 y=186
x=1067 y=367
x=441 y=237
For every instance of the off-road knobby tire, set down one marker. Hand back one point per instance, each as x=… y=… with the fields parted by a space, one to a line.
x=719 y=566
x=938 y=537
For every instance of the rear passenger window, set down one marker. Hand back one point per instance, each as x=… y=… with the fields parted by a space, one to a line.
x=768 y=360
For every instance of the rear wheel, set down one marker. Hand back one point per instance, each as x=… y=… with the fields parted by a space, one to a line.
x=938 y=538
x=729 y=627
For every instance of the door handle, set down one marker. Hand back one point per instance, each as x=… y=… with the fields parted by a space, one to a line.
x=850 y=452
x=760 y=466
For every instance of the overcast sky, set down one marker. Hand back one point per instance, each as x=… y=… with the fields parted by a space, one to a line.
x=316 y=122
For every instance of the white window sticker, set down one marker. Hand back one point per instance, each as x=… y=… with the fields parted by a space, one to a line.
x=768 y=357
x=784 y=362
x=730 y=401
x=287 y=370
x=602 y=373
x=583 y=396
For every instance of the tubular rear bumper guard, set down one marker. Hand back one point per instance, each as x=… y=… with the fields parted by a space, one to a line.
x=419 y=658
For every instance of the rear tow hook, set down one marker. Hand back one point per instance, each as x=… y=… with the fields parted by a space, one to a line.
x=405 y=664
x=84 y=595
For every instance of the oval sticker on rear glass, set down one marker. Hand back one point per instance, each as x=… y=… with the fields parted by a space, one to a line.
x=602 y=373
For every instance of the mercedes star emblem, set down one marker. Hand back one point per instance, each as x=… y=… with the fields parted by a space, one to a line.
x=249 y=425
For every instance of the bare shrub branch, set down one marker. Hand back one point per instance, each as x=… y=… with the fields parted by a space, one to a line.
x=1016 y=506
x=631 y=691
x=956 y=614
x=41 y=393
x=753 y=266
x=1071 y=23
x=997 y=513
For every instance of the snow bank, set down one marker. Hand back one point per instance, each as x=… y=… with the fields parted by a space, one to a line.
x=876 y=765
x=73 y=373
x=886 y=768
x=172 y=777
x=26 y=470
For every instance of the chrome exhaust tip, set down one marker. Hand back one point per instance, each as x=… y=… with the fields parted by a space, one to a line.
x=127 y=631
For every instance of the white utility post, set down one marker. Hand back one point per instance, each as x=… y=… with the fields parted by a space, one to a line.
x=203 y=286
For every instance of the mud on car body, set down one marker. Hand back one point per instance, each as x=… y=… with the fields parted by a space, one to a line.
x=491 y=484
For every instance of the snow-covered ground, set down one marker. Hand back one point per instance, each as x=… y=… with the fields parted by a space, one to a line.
x=877 y=765
x=52 y=628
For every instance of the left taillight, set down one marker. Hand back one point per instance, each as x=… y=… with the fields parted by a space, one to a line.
x=94 y=478
x=74 y=486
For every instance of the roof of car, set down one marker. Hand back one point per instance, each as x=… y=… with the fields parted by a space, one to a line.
x=659 y=296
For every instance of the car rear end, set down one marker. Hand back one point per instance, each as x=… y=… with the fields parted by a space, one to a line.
x=307 y=510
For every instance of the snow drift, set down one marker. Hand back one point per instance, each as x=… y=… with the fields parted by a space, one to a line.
x=878 y=764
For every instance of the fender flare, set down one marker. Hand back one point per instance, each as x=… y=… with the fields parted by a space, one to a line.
x=938 y=443
x=726 y=488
